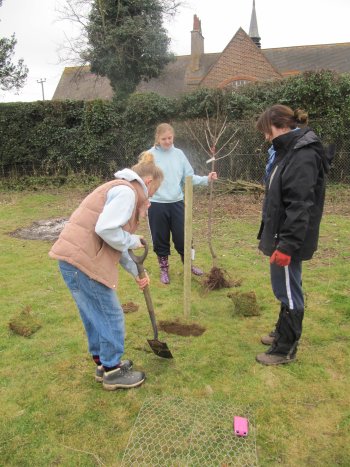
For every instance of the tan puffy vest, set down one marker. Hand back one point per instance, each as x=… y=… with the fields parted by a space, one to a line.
x=79 y=245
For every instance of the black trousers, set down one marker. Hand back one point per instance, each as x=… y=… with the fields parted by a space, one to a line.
x=165 y=219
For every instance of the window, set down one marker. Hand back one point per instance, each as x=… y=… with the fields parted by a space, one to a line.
x=237 y=83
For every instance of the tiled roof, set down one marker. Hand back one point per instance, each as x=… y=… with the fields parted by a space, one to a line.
x=334 y=57
x=78 y=83
x=172 y=81
x=241 y=59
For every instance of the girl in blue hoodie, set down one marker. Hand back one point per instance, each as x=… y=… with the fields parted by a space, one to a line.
x=166 y=213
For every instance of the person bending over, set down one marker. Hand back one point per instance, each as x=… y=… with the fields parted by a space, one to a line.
x=92 y=243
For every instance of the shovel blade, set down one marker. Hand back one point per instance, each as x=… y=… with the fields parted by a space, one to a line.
x=160 y=348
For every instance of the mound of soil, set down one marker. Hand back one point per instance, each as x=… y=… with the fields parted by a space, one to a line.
x=130 y=307
x=181 y=329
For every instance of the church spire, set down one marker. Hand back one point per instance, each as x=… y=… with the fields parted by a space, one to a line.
x=253 y=30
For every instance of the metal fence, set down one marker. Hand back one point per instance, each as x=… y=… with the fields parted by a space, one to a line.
x=248 y=158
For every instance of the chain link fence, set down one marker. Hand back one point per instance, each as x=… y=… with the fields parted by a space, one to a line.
x=241 y=154
x=177 y=432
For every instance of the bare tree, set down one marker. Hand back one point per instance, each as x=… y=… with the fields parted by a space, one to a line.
x=77 y=13
x=216 y=140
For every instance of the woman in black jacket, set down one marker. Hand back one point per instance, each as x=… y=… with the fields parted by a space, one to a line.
x=292 y=212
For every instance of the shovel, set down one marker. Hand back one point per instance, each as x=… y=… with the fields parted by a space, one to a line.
x=159 y=348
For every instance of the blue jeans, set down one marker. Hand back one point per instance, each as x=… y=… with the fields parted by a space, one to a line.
x=101 y=313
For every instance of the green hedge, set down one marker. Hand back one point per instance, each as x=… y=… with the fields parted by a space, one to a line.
x=50 y=138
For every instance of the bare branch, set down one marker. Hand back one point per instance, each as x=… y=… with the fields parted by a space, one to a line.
x=225 y=144
x=228 y=154
x=76 y=13
x=208 y=127
x=222 y=130
x=196 y=138
x=210 y=145
x=171 y=7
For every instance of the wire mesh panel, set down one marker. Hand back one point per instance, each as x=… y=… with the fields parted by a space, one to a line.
x=176 y=432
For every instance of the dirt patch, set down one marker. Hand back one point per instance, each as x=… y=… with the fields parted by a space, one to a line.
x=240 y=206
x=41 y=230
x=181 y=329
x=24 y=324
x=130 y=307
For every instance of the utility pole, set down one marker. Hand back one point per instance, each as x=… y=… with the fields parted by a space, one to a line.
x=42 y=81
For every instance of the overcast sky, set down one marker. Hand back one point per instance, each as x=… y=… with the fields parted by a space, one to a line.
x=301 y=22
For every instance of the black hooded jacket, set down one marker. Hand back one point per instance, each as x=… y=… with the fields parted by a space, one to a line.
x=294 y=197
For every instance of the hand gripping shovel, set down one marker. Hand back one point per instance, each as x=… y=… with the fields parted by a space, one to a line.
x=159 y=348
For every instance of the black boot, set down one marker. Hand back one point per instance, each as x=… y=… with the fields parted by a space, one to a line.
x=288 y=332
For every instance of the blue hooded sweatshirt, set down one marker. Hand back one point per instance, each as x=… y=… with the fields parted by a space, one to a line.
x=176 y=168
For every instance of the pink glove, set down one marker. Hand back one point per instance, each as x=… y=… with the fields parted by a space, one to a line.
x=280 y=258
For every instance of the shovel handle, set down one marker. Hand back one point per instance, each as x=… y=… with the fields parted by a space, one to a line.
x=138 y=260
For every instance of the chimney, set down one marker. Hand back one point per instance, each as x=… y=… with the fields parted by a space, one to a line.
x=197 y=43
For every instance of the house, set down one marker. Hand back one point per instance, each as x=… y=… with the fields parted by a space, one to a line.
x=242 y=61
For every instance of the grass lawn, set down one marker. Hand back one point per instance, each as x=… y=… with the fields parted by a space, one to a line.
x=52 y=412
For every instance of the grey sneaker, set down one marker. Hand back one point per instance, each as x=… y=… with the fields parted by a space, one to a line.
x=122 y=379
x=127 y=364
x=274 y=359
x=269 y=339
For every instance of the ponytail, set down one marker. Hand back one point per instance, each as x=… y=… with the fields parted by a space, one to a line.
x=147 y=167
x=281 y=116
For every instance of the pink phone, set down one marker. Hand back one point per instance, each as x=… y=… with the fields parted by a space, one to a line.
x=240 y=426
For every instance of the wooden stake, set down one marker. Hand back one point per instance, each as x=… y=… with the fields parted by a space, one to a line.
x=188 y=245
x=210 y=212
